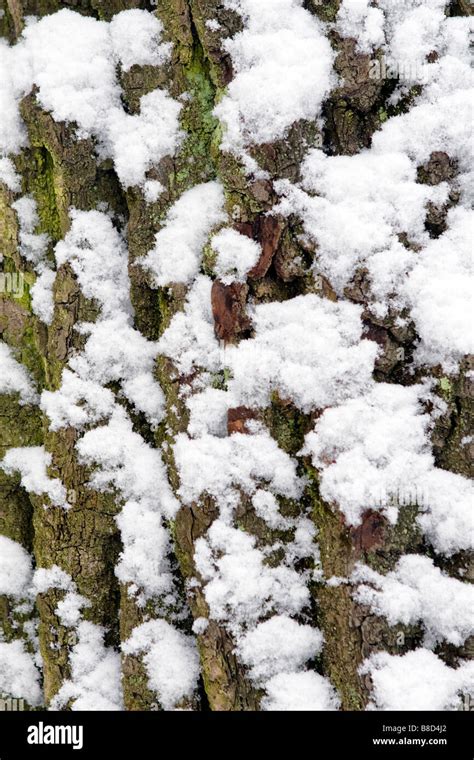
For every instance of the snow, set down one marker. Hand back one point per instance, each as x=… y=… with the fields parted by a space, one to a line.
x=282 y=65
x=417 y=680
x=413 y=27
x=140 y=141
x=208 y=413
x=289 y=351
x=34 y=247
x=171 y=660
x=213 y=25
x=15 y=568
x=219 y=465
x=69 y=608
x=278 y=645
x=190 y=340
x=32 y=463
x=13 y=135
x=95 y=678
x=126 y=463
x=240 y=588
x=360 y=20
x=19 y=677
x=42 y=302
x=95 y=682
x=374 y=451
x=355 y=207
x=266 y=506
x=146 y=395
x=8 y=174
x=146 y=547
x=136 y=36
x=200 y=625
x=114 y=350
x=371 y=448
x=439 y=291
x=236 y=255
x=416 y=590
x=52 y=577
x=77 y=403
x=14 y=377
x=97 y=255
x=300 y=692
x=152 y=190
x=371 y=441
x=176 y=254
x=72 y=61
x=447 y=518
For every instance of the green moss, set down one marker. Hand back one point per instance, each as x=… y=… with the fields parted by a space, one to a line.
x=42 y=184
x=195 y=159
x=31 y=354
x=446 y=387
x=326 y=10
x=287 y=425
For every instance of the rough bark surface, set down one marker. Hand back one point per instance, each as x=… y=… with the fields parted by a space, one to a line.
x=59 y=171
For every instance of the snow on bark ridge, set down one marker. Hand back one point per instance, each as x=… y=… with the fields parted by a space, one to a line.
x=305 y=691
x=171 y=660
x=95 y=679
x=356 y=207
x=236 y=255
x=239 y=581
x=20 y=660
x=32 y=463
x=95 y=682
x=114 y=349
x=287 y=354
x=14 y=378
x=96 y=676
x=72 y=61
x=240 y=588
x=33 y=246
x=15 y=568
x=417 y=680
x=122 y=460
x=19 y=676
x=374 y=450
x=282 y=65
x=416 y=590
x=176 y=254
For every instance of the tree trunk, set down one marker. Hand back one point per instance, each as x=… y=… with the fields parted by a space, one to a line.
x=85 y=535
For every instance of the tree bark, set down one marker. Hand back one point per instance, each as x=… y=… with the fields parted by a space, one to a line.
x=61 y=171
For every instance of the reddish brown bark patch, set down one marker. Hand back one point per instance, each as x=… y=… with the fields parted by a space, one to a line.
x=228 y=310
x=266 y=230
x=370 y=534
x=269 y=230
x=238 y=418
